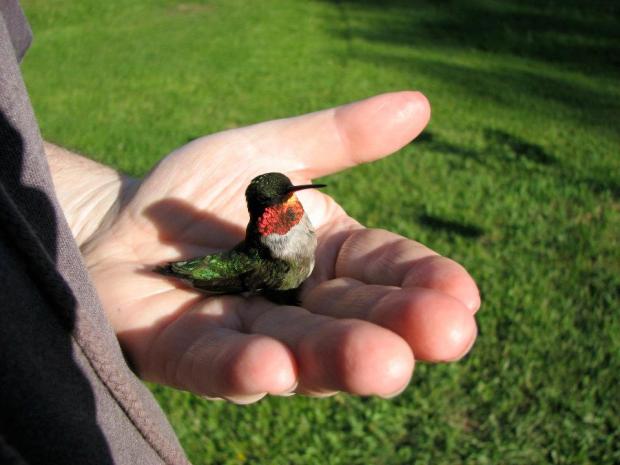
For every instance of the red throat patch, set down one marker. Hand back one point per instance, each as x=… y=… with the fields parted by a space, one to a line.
x=279 y=219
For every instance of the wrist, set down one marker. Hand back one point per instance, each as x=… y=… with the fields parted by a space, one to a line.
x=90 y=194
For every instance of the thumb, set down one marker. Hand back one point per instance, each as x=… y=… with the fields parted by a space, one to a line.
x=331 y=140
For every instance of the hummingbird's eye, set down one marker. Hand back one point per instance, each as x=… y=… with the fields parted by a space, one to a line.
x=263 y=198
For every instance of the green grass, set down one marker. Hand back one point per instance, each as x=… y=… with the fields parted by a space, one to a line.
x=517 y=177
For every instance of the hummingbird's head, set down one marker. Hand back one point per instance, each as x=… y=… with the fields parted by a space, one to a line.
x=271 y=189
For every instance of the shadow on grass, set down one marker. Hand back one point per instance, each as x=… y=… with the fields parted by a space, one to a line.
x=517 y=148
x=499 y=146
x=601 y=186
x=503 y=149
x=573 y=33
x=511 y=87
x=438 y=224
x=435 y=143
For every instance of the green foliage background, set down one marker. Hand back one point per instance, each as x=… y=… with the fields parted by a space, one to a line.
x=517 y=177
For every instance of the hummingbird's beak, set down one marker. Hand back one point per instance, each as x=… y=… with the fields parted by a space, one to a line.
x=305 y=186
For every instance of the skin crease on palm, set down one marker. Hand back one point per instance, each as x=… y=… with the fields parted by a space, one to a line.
x=375 y=303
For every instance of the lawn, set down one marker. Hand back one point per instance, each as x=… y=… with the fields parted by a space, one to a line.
x=517 y=177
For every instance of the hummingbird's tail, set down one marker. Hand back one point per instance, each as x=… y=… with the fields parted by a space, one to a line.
x=166 y=269
x=182 y=269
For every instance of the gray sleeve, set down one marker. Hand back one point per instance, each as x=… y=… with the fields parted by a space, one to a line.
x=67 y=394
x=19 y=30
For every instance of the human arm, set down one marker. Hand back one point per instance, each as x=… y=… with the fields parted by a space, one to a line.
x=90 y=194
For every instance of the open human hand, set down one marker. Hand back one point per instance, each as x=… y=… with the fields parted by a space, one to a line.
x=374 y=303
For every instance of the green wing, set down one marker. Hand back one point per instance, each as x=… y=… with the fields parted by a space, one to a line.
x=223 y=272
x=231 y=272
x=215 y=266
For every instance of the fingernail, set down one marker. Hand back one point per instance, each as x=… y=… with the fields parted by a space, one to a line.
x=245 y=400
x=397 y=393
x=290 y=391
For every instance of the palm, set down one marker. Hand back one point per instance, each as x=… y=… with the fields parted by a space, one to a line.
x=373 y=302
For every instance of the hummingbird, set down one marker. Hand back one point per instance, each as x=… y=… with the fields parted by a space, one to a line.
x=276 y=256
